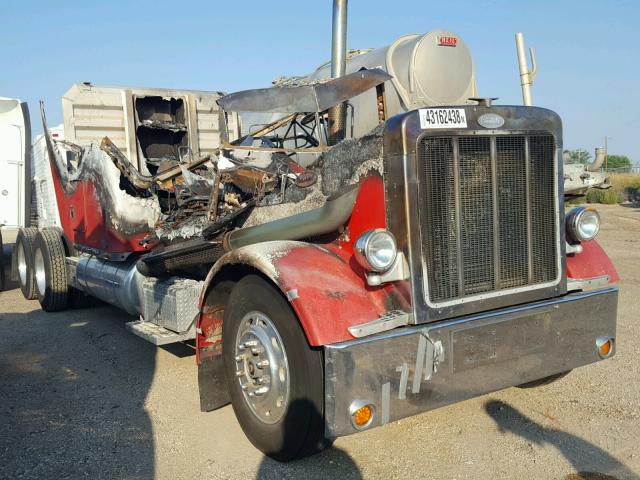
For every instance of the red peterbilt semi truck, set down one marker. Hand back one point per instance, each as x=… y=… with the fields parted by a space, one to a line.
x=426 y=262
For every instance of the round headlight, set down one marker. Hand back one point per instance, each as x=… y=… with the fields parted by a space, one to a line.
x=583 y=223
x=376 y=250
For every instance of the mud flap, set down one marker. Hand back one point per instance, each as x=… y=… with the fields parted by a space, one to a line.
x=212 y=384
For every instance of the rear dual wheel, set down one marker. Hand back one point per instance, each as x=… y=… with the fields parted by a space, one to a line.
x=50 y=270
x=275 y=378
x=24 y=249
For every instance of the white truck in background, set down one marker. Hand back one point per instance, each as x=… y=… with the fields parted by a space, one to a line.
x=15 y=158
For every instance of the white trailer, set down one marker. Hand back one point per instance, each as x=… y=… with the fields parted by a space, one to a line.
x=15 y=189
x=15 y=141
x=148 y=125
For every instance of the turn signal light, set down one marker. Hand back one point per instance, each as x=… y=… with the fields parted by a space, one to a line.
x=361 y=415
x=605 y=346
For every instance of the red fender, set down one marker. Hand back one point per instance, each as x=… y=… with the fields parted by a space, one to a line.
x=327 y=294
x=590 y=263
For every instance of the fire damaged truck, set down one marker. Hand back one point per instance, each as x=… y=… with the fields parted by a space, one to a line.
x=365 y=244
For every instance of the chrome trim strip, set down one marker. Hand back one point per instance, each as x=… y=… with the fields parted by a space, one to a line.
x=389 y=321
x=458 y=208
x=527 y=177
x=587 y=283
x=496 y=212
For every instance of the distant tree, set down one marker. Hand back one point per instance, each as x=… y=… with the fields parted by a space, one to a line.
x=618 y=161
x=578 y=155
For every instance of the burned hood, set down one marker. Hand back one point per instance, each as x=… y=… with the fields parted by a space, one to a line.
x=315 y=96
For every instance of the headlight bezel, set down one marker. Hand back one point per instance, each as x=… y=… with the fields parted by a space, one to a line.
x=363 y=252
x=574 y=222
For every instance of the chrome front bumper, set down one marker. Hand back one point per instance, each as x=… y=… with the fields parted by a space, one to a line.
x=414 y=369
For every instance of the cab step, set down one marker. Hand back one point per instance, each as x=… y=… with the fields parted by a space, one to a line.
x=159 y=335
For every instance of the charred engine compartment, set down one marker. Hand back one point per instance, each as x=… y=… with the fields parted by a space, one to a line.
x=185 y=211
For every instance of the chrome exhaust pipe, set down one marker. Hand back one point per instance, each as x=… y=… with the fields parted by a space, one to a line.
x=338 y=114
x=601 y=155
x=526 y=76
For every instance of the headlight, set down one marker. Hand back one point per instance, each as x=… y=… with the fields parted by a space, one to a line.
x=583 y=223
x=376 y=250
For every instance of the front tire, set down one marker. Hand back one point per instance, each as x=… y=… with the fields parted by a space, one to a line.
x=275 y=378
x=24 y=249
x=50 y=270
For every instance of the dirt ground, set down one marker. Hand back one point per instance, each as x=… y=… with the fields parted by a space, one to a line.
x=80 y=397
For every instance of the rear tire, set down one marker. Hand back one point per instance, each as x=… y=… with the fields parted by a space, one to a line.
x=50 y=270
x=24 y=249
x=286 y=422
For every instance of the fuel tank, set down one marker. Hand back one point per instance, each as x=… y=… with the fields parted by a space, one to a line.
x=435 y=68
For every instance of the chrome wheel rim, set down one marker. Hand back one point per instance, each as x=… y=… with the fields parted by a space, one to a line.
x=39 y=271
x=261 y=367
x=22 y=265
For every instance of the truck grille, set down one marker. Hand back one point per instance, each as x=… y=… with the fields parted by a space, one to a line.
x=487 y=213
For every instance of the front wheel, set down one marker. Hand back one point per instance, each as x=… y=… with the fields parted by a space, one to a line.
x=275 y=378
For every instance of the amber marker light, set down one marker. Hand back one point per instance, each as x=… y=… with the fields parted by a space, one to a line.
x=362 y=414
x=605 y=346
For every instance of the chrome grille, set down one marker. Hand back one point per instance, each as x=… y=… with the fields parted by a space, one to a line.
x=487 y=214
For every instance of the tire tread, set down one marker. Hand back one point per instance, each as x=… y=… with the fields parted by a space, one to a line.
x=56 y=296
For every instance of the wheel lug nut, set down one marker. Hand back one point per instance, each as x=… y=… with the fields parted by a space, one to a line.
x=257 y=350
x=251 y=394
x=239 y=358
x=263 y=363
x=261 y=390
x=245 y=387
x=251 y=343
x=239 y=373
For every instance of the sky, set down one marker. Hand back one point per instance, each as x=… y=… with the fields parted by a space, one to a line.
x=587 y=51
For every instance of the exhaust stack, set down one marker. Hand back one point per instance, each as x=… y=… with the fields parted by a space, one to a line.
x=601 y=155
x=526 y=76
x=338 y=114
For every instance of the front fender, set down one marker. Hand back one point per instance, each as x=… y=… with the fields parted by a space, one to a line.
x=590 y=263
x=326 y=289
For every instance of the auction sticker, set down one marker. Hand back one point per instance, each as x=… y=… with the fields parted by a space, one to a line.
x=442 y=118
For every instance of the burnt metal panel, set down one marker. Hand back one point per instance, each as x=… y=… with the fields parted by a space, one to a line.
x=315 y=96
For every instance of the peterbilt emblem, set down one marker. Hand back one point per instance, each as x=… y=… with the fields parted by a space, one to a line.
x=491 y=120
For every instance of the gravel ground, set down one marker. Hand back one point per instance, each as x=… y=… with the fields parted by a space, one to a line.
x=80 y=397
